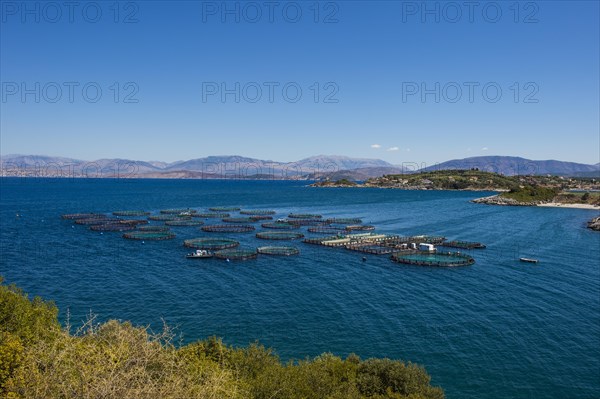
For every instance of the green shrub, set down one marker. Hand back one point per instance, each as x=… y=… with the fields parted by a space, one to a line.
x=38 y=359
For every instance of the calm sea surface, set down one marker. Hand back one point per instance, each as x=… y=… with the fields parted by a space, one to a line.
x=497 y=329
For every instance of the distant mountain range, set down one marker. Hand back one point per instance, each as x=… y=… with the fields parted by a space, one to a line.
x=237 y=167
x=511 y=166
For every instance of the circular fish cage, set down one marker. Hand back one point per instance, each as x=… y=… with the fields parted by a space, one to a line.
x=359 y=227
x=93 y=221
x=184 y=223
x=278 y=251
x=347 y=221
x=76 y=216
x=178 y=211
x=280 y=226
x=306 y=222
x=325 y=229
x=438 y=259
x=228 y=228
x=236 y=254
x=112 y=227
x=133 y=222
x=211 y=243
x=238 y=220
x=149 y=235
x=213 y=215
x=224 y=209
x=304 y=216
x=131 y=213
x=257 y=212
x=258 y=218
x=167 y=217
x=279 y=235
x=153 y=228
x=463 y=244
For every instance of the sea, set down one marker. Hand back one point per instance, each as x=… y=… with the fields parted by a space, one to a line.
x=500 y=328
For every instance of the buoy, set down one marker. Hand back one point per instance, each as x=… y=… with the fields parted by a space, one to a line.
x=227 y=260
x=364 y=258
x=143 y=242
x=101 y=233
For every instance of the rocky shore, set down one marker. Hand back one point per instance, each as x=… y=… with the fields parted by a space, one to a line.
x=594 y=224
x=498 y=200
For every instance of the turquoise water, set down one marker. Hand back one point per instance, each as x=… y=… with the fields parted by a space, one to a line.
x=499 y=328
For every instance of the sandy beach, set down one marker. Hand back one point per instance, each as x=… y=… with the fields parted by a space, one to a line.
x=576 y=206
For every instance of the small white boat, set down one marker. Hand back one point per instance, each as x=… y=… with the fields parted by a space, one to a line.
x=200 y=254
x=528 y=260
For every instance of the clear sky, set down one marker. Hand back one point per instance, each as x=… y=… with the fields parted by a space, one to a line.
x=389 y=80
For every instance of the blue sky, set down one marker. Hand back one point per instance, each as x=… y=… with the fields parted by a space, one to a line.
x=389 y=80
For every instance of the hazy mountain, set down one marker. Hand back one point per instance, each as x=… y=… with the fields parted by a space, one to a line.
x=37 y=160
x=517 y=166
x=359 y=174
x=325 y=162
x=225 y=166
x=233 y=166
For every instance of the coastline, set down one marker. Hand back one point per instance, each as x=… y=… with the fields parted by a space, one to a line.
x=573 y=206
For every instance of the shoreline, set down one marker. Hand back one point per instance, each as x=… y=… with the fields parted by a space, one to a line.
x=572 y=206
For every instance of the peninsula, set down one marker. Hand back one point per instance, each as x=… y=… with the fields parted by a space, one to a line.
x=512 y=190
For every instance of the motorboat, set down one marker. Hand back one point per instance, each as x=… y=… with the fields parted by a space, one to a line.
x=200 y=254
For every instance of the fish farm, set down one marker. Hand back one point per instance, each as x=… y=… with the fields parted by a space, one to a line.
x=224 y=209
x=440 y=259
x=228 y=228
x=167 y=217
x=326 y=229
x=149 y=235
x=236 y=254
x=154 y=228
x=112 y=227
x=345 y=233
x=304 y=216
x=211 y=215
x=359 y=228
x=344 y=221
x=258 y=212
x=238 y=220
x=184 y=223
x=279 y=235
x=306 y=222
x=178 y=211
x=280 y=226
x=278 y=251
x=211 y=243
x=131 y=213
x=257 y=218
x=463 y=244
x=96 y=220
x=75 y=216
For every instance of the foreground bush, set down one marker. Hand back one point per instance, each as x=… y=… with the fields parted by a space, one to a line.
x=39 y=359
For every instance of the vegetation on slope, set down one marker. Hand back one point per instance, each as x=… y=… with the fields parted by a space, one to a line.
x=451 y=180
x=531 y=194
x=40 y=359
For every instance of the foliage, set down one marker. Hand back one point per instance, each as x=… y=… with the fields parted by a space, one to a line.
x=531 y=194
x=38 y=359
